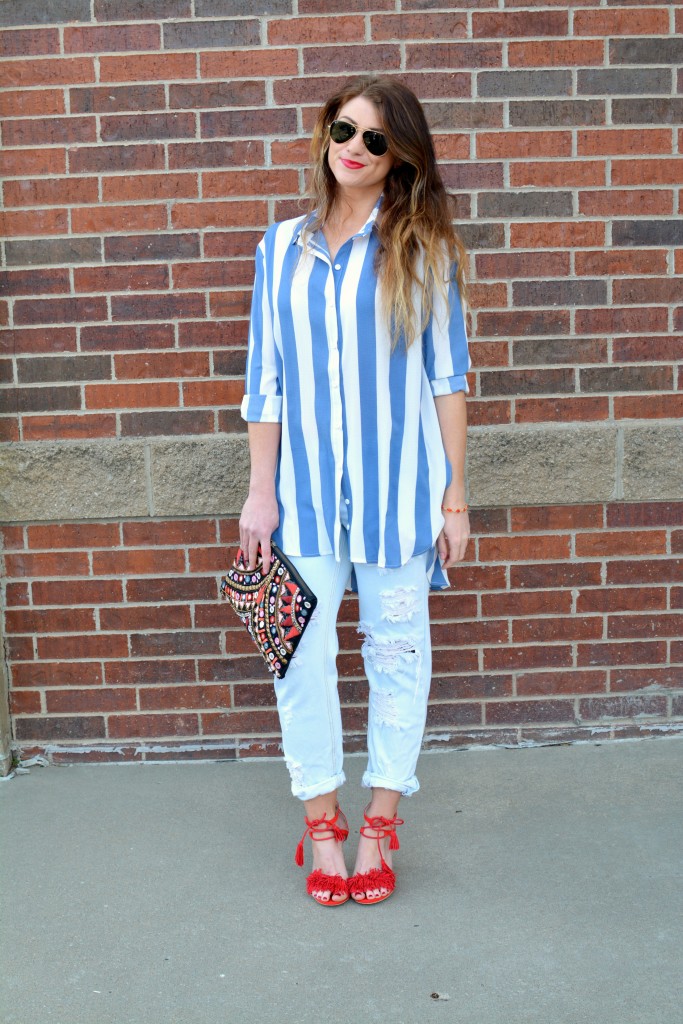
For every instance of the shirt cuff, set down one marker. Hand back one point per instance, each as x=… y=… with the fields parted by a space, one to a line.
x=262 y=408
x=449 y=385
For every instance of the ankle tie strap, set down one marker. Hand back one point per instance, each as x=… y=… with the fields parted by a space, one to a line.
x=325 y=825
x=383 y=827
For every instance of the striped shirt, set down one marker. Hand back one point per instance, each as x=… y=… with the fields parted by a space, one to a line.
x=359 y=421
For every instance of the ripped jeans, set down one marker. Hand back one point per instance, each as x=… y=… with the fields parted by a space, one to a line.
x=397 y=655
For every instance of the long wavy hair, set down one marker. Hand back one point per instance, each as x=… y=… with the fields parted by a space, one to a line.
x=418 y=244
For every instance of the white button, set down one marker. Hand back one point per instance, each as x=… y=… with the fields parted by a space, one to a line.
x=337 y=266
x=347 y=501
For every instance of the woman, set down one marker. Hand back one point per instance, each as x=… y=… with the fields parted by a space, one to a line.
x=355 y=400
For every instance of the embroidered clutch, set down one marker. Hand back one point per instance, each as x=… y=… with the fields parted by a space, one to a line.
x=274 y=604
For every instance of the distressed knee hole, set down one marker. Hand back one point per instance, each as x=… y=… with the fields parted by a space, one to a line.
x=385 y=653
x=384 y=709
x=399 y=604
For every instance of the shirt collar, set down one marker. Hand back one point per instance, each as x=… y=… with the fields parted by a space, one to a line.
x=365 y=230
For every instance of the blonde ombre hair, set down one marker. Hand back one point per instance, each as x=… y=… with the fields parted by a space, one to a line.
x=418 y=244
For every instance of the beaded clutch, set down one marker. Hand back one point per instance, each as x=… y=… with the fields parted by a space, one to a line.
x=274 y=604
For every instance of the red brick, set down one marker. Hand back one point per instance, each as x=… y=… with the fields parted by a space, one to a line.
x=90 y=535
x=621 y=707
x=667 y=290
x=75 y=592
x=647 y=172
x=136 y=673
x=530 y=602
x=510 y=712
x=51 y=71
x=175 y=531
x=240 y=63
x=159 y=698
x=131 y=396
x=479 y=632
x=505 y=549
x=62 y=310
x=171 y=365
x=94 y=645
x=33 y=282
x=223 y=153
x=176 y=643
x=572 y=627
x=621 y=599
x=18 y=162
x=648 y=407
x=142 y=157
x=114 y=337
x=656 y=513
x=642 y=350
x=631 y=653
x=455 y=56
x=557 y=235
x=64 y=727
x=49 y=131
x=298 y=31
x=219 y=392
x=249 y=695
x=55 y=620
x=640 y=678
x=556 y=53
x=50 y=191
x=548 y=410
x=240 y=722
x=153 y=424
x=574 y=681
x=218 y=214
x=440 y=25
x=149 y=186
x=216 y=184
x=184 y=588
x=222 y=670
x=642 y=22
x=33 y=41
x=25 y=702
x=621 y=261
x=213 y=274
x=626 y=203
x=125 y=563
x=505 y=145
x=19 y=648
x=645 y=570
x=627 y=141
x=558 y=173
x=148 y=67
x=46 y=428
x=152 y=725
x=136 y=617
x=44 y=673
x=17 y=594
x=209 y=559
x=531 y=656
x=621 y=321
x=645 y=625
x=34 y=222
x=98 y=219
x=68 y=563
x=559 y=574
x=27 y=103
x=159 y=307
x=507 y=265
x=135 y=277
x=94 y=699
x=604 y=544
x=100 y=39
x=231 y=304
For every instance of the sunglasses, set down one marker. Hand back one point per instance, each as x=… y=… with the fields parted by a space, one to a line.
x=375 y=142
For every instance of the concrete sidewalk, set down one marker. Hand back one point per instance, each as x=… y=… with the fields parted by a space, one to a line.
x=535 y=885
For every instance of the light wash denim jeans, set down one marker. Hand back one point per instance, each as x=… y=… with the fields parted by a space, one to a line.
x=394 y=617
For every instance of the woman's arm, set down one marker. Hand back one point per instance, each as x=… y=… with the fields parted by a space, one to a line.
x=260 y=514
x=452 y=541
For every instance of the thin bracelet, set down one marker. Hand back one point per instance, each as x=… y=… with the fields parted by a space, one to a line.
x=463 y=509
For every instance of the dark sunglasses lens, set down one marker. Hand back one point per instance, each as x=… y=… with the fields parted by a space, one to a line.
x=375 y=143
x=341 y=131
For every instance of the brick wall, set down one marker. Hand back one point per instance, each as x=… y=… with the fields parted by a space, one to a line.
x=146 y=146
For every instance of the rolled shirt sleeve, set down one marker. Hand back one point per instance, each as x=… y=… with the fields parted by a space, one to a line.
x=444 y=343
x=262 y=402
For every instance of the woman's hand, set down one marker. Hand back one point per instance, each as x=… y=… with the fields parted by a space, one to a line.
x=451 y=543
x=259 y=519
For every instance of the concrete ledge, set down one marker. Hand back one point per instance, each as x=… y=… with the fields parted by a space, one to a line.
x=208 y=475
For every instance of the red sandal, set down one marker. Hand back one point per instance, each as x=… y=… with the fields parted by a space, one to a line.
x=376 y=878
x=335 y=884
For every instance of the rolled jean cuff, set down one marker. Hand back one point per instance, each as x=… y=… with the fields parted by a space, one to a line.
x=406 y=788
x=318 y=788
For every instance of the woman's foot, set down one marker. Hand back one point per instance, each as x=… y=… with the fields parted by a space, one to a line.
x=373 y=879
x=328 y=863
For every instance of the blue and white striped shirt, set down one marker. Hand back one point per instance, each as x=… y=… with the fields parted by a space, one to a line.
x=359 y=421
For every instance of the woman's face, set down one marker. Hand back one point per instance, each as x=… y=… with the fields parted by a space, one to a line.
x=350 y=162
